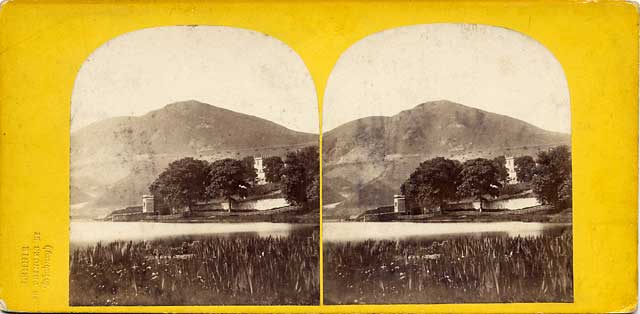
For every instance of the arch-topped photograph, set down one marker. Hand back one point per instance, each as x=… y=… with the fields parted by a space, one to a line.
x=445 y=146
x=194 y=171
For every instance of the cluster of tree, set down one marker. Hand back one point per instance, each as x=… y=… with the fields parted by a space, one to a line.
x=439 y=180
x=525 y=167
x=187 y=181
x=273 y=169
x=551 y=181
x=549 y=175
x=298 y=176
x=301 y=179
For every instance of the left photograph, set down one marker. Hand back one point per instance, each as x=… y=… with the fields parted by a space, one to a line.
x=194 y=172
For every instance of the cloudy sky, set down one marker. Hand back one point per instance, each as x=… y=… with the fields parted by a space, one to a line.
x=232 y=68
x=486 y=67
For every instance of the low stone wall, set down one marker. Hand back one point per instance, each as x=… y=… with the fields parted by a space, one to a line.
x=132 y=216
x=474 y=205
x=378 y=217
x=417 y=217
x=281 y=213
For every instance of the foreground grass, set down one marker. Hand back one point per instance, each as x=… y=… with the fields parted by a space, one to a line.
x=459 y=270
x=211 y=271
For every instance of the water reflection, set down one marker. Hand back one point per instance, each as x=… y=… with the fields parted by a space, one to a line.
x=84 y=233
x=361 y=231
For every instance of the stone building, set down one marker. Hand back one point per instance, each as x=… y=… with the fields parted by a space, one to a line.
x=148 y=205
x=399 y=205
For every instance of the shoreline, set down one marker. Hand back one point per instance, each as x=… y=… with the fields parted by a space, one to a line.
x=290 y=214
x=541 y=214
x=229 y=220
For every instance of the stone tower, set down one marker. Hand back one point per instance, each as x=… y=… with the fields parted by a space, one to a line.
x=399 y=204
x=257 y=164
x=511 y=170
x=148 y=204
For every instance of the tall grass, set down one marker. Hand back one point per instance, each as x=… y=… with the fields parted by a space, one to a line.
x=211 y=271
x=459 y=270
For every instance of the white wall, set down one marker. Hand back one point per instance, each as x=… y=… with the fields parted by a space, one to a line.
x=512 y=204
x=261 y=204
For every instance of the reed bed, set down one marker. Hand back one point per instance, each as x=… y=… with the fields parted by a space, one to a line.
x=211 y=271
x=459 y=270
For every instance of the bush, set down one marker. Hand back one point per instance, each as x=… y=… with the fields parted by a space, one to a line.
x=264 y=189
x=517 y=188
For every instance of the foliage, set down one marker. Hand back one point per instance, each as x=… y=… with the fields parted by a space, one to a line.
x=211 y=271
x=500 y=163
x=301 y=169
x=479 y=177
x=313 y=192
x=228 y=178
x=525 y=167
x=432 y=184
x=263 y=189
x=250 y=171
x=516 y=188
x=564 y=193
x=188 y=180
x=456 y=270
x=273 y=169
x=182 y=183
x=551 y=181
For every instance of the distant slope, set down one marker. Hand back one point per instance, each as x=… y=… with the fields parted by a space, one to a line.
x=367 y=159
x=78 y=196
x=438 y=127
x=116 y=159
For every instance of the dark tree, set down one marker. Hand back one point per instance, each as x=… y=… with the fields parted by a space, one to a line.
x=564 y=193
x=501 y=166
x=228 y=178
x=551 y=181
x=182 y=183
x=273 y=169
x=432 y=184
x=301 y=168
x=313 y=192
x=250 y=171
x=479 y=177
x=525 y=167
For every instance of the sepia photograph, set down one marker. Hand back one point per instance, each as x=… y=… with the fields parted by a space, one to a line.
x=447 y=174
x=194 y=172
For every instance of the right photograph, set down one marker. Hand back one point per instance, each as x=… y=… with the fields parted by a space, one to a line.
x=447 y=174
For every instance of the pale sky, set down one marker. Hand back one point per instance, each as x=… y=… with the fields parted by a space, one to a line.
x=486 y=67
x=232 y=68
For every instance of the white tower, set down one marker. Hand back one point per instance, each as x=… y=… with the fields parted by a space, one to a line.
x=511 y=170
x=257 y=164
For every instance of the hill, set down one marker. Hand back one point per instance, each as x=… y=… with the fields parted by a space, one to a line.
x=114 y=160
x=366 y=160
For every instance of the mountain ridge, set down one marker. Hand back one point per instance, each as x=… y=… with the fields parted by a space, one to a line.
x=366 y=160
x=114 y=160
x=185 y=104
x=458 y=128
